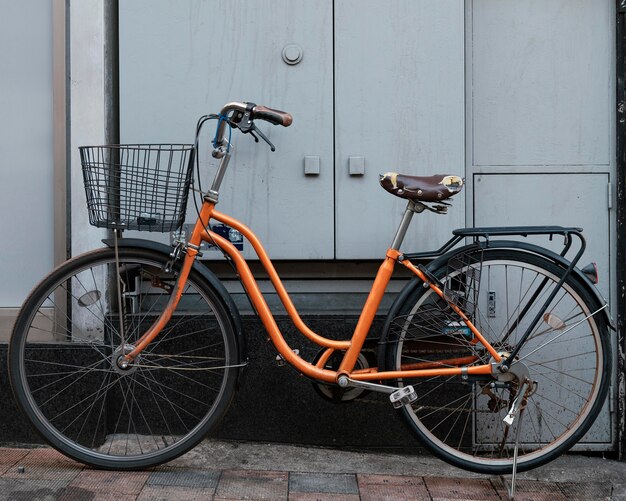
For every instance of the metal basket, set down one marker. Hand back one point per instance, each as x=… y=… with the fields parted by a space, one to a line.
x=137 y=186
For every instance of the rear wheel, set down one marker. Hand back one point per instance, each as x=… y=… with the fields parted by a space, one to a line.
x=567 y=356
x=67 y=371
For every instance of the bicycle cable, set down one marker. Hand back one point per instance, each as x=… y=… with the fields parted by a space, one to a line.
x=201 y=122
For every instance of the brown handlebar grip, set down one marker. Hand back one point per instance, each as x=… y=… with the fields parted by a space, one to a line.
x=276 y=117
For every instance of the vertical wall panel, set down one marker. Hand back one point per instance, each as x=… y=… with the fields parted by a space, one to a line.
x=26 y=170
x=183 y=59
x=540 y=127
x=540 y=82
x=399 y=87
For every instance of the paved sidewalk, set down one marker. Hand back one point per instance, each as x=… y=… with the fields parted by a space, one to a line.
x=220 y=470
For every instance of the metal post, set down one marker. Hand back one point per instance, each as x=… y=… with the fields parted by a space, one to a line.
x=112 y=136
x=61 y=172
x=111 y=72
x=111 y=92
x=621 y=222
x=60 y=107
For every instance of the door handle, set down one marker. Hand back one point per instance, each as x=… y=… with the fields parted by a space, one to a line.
x=311 y=166
x=356 y=166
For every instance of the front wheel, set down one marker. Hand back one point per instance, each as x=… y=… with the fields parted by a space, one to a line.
x=567 y=356
x=67 y=371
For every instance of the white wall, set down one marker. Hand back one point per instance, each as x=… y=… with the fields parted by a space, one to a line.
x=26 y=154
x=87 y=110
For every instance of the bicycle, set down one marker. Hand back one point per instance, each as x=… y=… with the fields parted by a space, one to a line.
x=496 y=353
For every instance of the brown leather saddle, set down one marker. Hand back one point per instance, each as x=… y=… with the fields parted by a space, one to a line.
x=421 y=188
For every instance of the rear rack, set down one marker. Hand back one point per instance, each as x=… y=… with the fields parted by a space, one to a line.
x=485 y=233
x=522 y=231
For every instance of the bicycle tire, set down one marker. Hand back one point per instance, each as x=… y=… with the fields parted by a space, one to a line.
x=65 y=348
x=567 y=354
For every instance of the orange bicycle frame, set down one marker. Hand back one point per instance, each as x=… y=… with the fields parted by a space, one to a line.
x=351 y=347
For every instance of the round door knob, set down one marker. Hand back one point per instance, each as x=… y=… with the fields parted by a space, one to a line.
x=292 y=54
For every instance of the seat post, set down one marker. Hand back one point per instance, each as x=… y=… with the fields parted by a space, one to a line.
x=404 y=226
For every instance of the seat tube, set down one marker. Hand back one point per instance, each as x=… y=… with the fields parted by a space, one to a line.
x=404 y=226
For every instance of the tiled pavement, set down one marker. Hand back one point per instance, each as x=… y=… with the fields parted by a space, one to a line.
x=44 y=474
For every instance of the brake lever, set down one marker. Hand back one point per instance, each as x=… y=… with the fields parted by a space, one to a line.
x=247 y=126
x=263 y=136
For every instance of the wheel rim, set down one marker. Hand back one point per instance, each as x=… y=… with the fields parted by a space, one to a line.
x=463 y=420
x=83 y=398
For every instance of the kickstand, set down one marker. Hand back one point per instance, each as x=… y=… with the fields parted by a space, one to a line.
x=517 y=411
x=511 y=490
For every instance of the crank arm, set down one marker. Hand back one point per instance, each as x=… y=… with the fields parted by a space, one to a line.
x=346 y=382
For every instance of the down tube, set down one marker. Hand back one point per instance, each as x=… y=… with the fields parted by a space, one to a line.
x=265 y=314
x=275 y=279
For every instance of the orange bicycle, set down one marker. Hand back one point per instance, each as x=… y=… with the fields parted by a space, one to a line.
x=497 y=353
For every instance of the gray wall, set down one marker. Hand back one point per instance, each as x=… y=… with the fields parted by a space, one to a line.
x=26 y=147
x=517 y=96
x=384 y=86
x=26 y=139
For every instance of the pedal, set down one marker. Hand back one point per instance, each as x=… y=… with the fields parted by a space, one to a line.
x=403 y=396
x=280 y=361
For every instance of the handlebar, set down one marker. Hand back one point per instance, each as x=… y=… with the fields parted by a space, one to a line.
x=270 y=115
x=242 y=115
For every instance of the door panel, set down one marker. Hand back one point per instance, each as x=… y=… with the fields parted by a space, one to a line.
x=191 y=57
x=549 y=199
x=554 y=199
x=399 y=85
x=26 y=135
x=540 y=87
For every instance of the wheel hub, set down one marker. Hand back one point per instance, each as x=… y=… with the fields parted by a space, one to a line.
x=119 y=362
x=515 y=376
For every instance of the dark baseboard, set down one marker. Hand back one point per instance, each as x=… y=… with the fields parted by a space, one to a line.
x=274 y=403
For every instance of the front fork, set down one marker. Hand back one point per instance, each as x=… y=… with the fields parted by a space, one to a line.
x=191 y=251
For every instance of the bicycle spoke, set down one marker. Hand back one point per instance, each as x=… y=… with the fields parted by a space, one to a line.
x=160 y=393
x=562 y=355
x=155 y=407
x=88 y=397
x=67 y=374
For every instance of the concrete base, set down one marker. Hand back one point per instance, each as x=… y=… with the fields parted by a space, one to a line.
x=218 y=469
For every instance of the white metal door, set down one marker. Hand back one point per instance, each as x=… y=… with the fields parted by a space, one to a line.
x=180 y=60
x=577 y=200
x=540 y=126
x=399 y=86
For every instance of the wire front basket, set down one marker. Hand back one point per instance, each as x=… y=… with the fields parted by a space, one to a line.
x=137 y=186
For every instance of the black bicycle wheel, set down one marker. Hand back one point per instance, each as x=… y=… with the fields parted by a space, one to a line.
x=567 y=356
x=65 y=370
